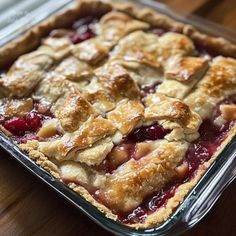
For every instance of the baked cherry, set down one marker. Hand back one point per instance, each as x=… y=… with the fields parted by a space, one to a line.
x=148 y=89
x=17 y=126
x=152 y=132
x=24 y=128
x=80 y=37
x=33 y=120
x=81 y=30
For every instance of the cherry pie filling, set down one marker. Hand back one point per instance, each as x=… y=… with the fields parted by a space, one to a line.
x=211 y=136
x=80 y=31
x=26 y=127
x=22 y=129
x=199 y=151
x=128 y=145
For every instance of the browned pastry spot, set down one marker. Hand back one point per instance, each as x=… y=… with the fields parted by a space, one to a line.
x=218 y=83
x=185 y=69
x=116 y=25
x=74 y=112
x=118 y=82
x=101 y=100
x=16 y=107
x=127 y=115
x=161 y=107
x=127 y=186
x=91 y=51
x=74 y=70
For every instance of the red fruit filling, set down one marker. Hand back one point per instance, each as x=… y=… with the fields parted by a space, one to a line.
x=127 y=149
x=81 y=30
x=148 y=89
x=25 y=128
x=80 y=37
x=33 y=120
x=200 y=151
x=150 y=205
x=17 y=126
x=152 y=132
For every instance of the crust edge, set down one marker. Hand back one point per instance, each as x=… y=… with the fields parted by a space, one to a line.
x=32 y=38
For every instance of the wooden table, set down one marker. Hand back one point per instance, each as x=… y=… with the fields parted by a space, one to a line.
x=28 y=207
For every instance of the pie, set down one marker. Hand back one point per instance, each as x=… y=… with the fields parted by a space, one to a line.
x=124 y=105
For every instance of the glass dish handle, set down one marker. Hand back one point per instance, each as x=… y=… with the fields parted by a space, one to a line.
x=201 y=203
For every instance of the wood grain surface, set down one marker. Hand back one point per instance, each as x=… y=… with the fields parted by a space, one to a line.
x=29 y=207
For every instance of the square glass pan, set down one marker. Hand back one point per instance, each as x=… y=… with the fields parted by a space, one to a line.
x=202 y=197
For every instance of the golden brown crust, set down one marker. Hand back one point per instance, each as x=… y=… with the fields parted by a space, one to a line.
x=127 y=115
x=117 y=81
x=160 y=107
x=123 y=86
x=185 y=69
x=74 y=70
x=218 y=83
x=222 y=45
x=128 y=185
x=152 y=220
x=116 y=25
x=40 y=158
x=16 y=107
x=32 y=38
x=93 y=130
x=74 y=112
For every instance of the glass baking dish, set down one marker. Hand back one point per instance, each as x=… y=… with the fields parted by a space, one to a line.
x=200 y=199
